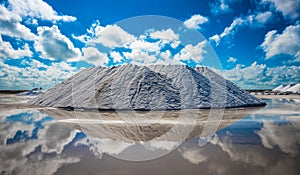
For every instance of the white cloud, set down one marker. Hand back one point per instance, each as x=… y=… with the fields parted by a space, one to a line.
x=37 y=9
x=260 y=76
x=146 y=52
x=285 y=43
x=139 y=56
x=54 y=45
x=7 y=51
x=231 y=60
x=254 y=20
x=216 y=38
x=273 y=134
x=10 y=25
x=235 y=157
x=166 y=36
x=228 y=31
x=142 y=45
x=190 y=52
x=166 y=59
x=219 y=7
x=55 y=136
x=106 y=145
x=31 y=76
x=161 y=144
x=33 y=63
x=27 y=11
x=23 y=156
x=94 y=56
x=110 y=36
x=116 y=56
x=195 y=21
x=263 y=17
x=193 y=154
x=237 y=153
x=143 y=49
x=289 y=8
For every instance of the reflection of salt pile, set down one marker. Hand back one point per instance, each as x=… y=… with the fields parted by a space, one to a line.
x=144 y=88
x=112 y=125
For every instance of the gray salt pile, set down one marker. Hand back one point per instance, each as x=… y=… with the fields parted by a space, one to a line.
x=157 y=87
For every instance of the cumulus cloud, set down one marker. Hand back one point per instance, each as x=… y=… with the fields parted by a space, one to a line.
x=263 y=17
x=231 y=60
x=259 y=75
x=219 y=7
x=28 y=11
x=139 y=56
x=285 y=43
x=253 y=155
x=190 y=52
x=116 y=56
x=94 y=56
x=289 y=8
x=98 y=146
x=283 y=136
x=10 y=25
x=167 y=59
x=33 y=63
x=37 y=9
x=52 y=44
x=149 y=53
x=154 y=46
x=9 y=130
x=110 y=36
x=24 y=155
x=193 y=154
x=227 y=154
x=161 y=144
x=166 y=36
x=254 y=20
x=30 y=75
x=7 y=51
x=150 y=50
x=195 y=21
x=228 y=31
x=142 y=45
x=55 y=136
x=16 y=14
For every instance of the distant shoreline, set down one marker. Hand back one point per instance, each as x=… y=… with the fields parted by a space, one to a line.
x=290 y=96
x=12 y=91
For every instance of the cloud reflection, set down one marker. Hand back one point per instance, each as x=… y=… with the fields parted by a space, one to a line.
x=286 y=136
x=28 y=154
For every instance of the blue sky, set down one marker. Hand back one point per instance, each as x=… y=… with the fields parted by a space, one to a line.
x=44 y=42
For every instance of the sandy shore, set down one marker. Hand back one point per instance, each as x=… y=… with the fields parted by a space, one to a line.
x=292 y=96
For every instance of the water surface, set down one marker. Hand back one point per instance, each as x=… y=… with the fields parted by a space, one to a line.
x=48 y=141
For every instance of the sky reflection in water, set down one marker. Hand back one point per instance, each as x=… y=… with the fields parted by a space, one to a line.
x=264 y=142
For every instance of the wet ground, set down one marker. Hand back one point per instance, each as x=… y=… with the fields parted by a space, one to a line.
x=36 y=140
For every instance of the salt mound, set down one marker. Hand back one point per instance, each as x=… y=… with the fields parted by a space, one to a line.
x=159 y=87
x=279 y=88
x=33 y=92
x=294 y=89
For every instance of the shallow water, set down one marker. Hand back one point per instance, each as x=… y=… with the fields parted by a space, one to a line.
x=247 y=141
